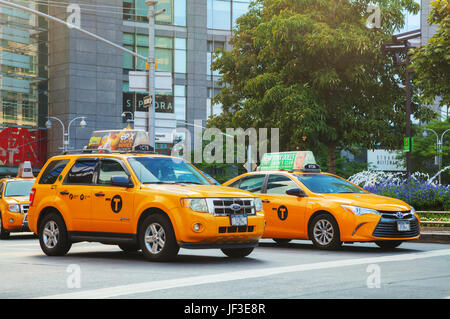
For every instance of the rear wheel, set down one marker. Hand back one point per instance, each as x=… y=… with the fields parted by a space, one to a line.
x=237 y=252
x=157 y=238
x=281 y=241
x=53 y=236
x=4 y=234
x=324 y=232
x=388 y=244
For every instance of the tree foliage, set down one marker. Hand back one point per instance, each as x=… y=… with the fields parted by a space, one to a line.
x=431 y=62
x=313 y=69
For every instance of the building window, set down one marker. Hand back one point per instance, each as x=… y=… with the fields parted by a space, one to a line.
x=222 y=14
x=212 y=47
x=170 y=53
x=137 y=10
x=212 y=109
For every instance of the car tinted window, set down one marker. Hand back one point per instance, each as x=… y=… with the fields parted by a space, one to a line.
x=82 y=172
x=252 y=184
x=279 y=184
x=108 y=169
x=52 y=171
x=322 y=183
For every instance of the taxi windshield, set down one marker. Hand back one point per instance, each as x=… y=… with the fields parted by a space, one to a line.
x=163 y=170
x=18 y=188
x=322 y=183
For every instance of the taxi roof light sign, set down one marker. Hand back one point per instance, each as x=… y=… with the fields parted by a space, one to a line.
x=25 y=170
x=300 y=160
x=126 y=140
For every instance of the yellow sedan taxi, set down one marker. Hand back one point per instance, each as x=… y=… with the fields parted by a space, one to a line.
x=324 y=208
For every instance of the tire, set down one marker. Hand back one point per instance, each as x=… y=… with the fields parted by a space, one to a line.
x=53 y=236
x=157 y=238
x=129 y=248
x=281 y=241
x=4 y=234
x=324 y=232
x=388 y=244
x=237 y=252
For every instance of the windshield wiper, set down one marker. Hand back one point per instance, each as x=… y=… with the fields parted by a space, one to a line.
x=160 y=182
x=189 y=182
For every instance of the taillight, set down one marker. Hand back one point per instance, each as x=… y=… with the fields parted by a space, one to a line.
x=32 y=193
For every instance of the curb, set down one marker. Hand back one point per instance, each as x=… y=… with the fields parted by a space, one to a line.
x=442 y=237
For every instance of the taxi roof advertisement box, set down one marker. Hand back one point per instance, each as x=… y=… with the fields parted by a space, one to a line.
x=118 y=140
x=286 y=160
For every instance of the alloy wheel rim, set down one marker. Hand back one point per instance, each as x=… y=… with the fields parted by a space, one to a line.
x=51 y=234
x=323 y=232
x=155 y=238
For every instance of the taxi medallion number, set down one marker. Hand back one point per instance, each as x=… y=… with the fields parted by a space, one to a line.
x=238 y=220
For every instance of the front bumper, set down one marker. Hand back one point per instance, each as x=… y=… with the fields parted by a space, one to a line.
x=15 y=222
x=385 y=227
x=217 y=231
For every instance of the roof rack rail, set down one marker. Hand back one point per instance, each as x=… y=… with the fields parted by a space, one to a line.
x=94 y=151
x=86 y=151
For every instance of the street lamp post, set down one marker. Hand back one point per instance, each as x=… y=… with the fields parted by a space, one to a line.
x=66 y=135
x=439 y=144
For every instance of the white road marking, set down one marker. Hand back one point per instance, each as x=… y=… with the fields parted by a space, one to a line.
x=236 y=275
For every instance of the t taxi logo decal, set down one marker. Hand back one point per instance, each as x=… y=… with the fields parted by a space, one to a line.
x=282 y=212
x=116 y=204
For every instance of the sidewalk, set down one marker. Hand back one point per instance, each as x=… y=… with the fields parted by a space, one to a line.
x=434 y=235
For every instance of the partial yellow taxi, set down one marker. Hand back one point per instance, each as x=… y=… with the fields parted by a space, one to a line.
x=305 y=203
x=14 y=203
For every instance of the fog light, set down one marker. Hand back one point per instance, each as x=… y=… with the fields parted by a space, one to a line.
x=197 y=227
x=11 y=220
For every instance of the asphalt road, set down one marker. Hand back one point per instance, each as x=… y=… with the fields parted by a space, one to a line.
x=297 y=270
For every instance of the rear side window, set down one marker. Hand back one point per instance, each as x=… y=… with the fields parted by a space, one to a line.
x=252 y=184
x=82 y=172
x=52 y=171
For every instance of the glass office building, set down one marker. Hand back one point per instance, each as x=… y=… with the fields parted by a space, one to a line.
x=23 y=86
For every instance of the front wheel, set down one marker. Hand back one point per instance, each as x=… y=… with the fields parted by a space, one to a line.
x=324 y=232
x=4 y=234
x=388 y=244
x=237 y=252
x=53 y=236
x=157 y=238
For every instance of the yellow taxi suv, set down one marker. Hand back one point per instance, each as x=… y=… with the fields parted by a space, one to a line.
x=140 y=201
x=14 y=196
x=324 y=208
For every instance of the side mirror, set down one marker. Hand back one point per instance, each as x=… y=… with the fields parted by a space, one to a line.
x=296 y=192
x=121 y=181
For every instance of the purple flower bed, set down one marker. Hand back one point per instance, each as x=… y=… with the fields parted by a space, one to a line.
x=421 y=196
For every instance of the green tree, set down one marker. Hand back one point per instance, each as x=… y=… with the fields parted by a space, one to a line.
x=425 y=149
x=431 y=62
x=313 y=69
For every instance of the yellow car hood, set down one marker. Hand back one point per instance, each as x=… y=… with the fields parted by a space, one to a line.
x=17 y=200
x=190 y=190
x=369 y=200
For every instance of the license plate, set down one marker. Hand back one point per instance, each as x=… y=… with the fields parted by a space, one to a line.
x=403 y=226
x=238 y=220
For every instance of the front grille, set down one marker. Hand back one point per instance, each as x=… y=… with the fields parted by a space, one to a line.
x=387 y=227
x=392 y=214
x=236 y=229
x=24 y=208
x=223 y=206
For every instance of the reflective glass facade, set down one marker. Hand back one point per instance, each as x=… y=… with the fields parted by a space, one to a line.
x=23 y=85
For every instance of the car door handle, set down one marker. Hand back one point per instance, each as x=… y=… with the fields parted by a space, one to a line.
x=266 y=201
x=64 y=193
x=99 y=194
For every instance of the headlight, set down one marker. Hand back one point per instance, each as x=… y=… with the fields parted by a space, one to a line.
x=195 y=204
x=14 y=208
x=413 y=211
x=360 y=210
x=258 y=204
